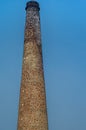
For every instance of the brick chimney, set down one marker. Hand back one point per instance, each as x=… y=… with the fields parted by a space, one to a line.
x=32 y=104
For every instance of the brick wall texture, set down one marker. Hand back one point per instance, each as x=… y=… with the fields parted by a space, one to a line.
x=32 y=104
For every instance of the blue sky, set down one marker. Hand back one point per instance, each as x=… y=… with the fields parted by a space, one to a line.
x=63 y=27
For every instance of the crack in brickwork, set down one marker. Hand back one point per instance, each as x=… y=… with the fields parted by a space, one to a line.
x=32 y=105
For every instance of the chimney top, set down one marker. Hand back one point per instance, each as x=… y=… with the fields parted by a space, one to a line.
x=31 y=4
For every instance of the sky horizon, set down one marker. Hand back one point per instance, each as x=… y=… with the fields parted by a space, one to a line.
x=63 y=30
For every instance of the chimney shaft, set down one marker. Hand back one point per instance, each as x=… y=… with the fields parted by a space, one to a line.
x=32 y=104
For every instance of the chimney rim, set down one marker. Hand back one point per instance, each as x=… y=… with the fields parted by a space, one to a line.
x=32 y=4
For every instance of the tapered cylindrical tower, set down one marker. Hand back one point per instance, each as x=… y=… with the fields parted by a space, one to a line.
x=32 y=104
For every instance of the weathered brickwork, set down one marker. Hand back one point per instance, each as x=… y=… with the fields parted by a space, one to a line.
x=32 y=105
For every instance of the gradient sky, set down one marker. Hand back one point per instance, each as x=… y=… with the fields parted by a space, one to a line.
x=63 y=27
